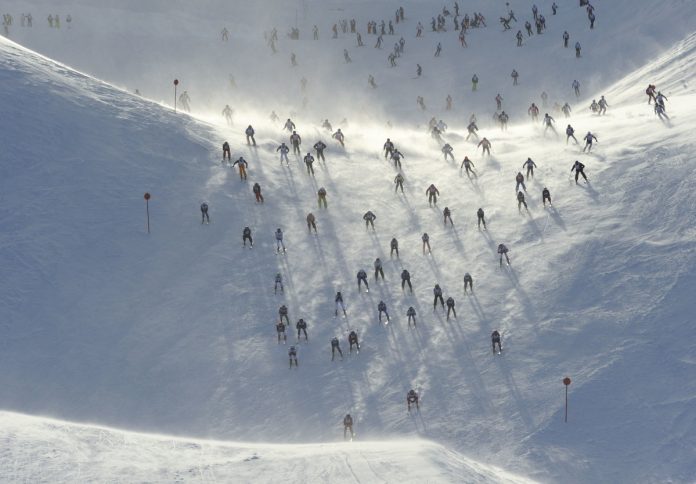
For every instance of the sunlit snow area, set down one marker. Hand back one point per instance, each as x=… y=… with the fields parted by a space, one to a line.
x=128 y=356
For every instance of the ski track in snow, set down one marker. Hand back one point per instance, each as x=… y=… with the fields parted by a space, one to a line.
x=174 y=332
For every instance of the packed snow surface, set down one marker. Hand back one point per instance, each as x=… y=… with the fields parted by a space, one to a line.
x=173 y=332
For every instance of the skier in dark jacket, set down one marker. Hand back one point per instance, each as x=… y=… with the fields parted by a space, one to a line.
x=412 y=399
x=481 y=218
x=495 y=340
x=348 y=426
x=320 y=146
x=280 y=329
x=450 y=308
x=503 y=250
x=579 y=169
x=406 y=279
x=411 y=314
x=519 y=178
x=467 y=164
x=570 y=133
x=520 y=201
x=353 y=340
x=226 y=152
x=379 y=271
x=362 y=279
x=589 y=138
x=437 y=293
x=530 y=165
x=246 y=235
x=546 y=195
x=204 y=212
x=339 y=302
x=369 y=219
x=382 y=308
x=257 y=193
x=335 y=348
x=394 y=247
x=292 y=356
x=301 y=328
x=250 y=135
x=468 y=281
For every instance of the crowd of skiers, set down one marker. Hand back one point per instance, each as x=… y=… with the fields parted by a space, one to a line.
x=432 y=193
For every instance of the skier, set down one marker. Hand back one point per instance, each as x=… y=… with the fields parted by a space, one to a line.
x=396 y=157
x=394 y=247
x=432 y=193
x=468 y=164
x=278 y=282
x=498 y=101
x=353 y=340
x=388 y=148
x=603 y=105
x=280 y=329
x=503 y=250
x=279 y=240
x=204 y=212
x=528 y=27
x=447 y=150
x=660 y=99
x=474 y=82
x=450 y=308
x=570 y=133
x=495 y=340
x=246 y=235
x=382 y=308
x=577 y=49
x=309 y=161
x=576 y=87
x=284 y=150
x=447 y=214
x=660 y=111
x=426 y=242
x=546 y=195
x=283 y=313
x=399 y=182
x=301 y=328
x=530 y=167
x=348 y=425
x=411 y=314
x=594 y=107
x=289 y=125
x=468 y=281
x=226 y=152
x=250 y=135
x=520 y=181
x=548 y=124
x=503 y=120
x=227 y=113
x=339 y=301
x=412 y=399
x=481 y=218
x=519 y=38
x=311 y=223
x=520 y=202
x=257 y=193
x=369 y=219
x=362 y=278
x=437 y=292
x=472 y=128
x=346 y=56
x=406 y=279
x=378 y=269
x=514 y=76
x=566 y=37
x=566 y=110
x=242 y=167
x=650 y=91
x=533 y=111
x=589 y=138
x=486 y=146
x=184 y=101
x=338 y=136
x=320 y=146
x=321 y=194
x=292 y=356
x=296 y=141
x=438 y=49
x=579 y=169
x=334 y=348
x=448 y=103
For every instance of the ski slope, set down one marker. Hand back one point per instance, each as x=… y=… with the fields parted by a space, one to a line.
x=173 y=332
x=38 y=450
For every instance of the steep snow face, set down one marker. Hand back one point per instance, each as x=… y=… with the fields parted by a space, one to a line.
x=37 y=450
x=174 y=332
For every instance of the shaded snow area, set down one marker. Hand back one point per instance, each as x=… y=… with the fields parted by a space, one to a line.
x=172 y=334
x=44 y=450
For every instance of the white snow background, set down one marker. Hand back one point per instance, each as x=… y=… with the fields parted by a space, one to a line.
x=172 y=333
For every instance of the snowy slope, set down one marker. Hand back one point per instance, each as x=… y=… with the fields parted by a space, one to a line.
x=37 y=450
x=173 y=332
